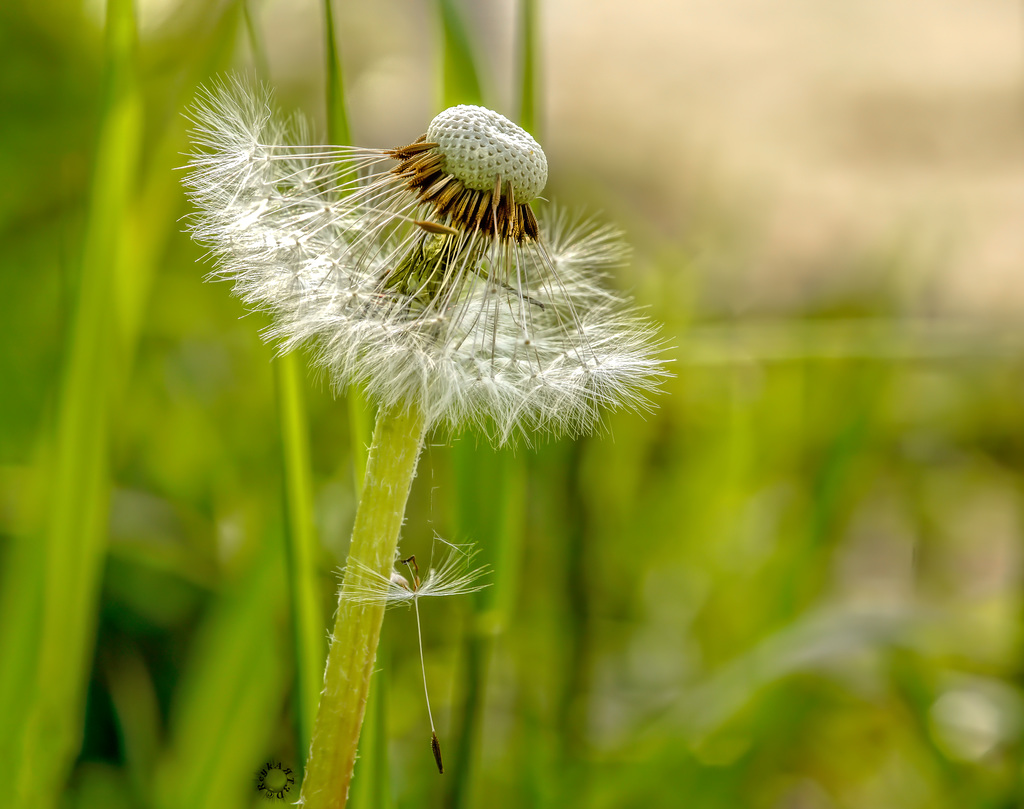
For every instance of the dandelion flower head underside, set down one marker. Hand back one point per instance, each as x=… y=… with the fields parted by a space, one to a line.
x=421 y=273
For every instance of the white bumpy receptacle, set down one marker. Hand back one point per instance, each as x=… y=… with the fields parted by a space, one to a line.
x=479 y=144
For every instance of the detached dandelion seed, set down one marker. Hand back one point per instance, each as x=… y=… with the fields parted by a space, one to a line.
x=435 y=745
x=422 y=275
x=453 y=576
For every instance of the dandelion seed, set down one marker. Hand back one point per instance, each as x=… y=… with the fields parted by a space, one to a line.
x=453 y=576
x=435 y=746
x=422 y=272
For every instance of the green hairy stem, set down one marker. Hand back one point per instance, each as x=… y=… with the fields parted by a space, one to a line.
x=390 y=468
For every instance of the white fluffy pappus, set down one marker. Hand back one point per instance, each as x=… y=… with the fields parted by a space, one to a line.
x=454 y=576
x=409 y=279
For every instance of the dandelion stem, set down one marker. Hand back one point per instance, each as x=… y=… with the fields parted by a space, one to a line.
x=390 y=468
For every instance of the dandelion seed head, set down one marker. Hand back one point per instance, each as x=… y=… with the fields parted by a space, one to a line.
x=480 y=145
x=421 y=273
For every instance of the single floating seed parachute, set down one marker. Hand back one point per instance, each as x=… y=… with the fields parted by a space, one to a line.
x=454 y=576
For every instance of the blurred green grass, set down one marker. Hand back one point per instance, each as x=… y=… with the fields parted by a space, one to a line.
x=796 y=583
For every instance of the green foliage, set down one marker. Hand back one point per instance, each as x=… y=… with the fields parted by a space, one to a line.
x=460 y=78
x=797 y=582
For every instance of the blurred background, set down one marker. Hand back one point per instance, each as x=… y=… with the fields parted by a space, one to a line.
x=796 y=584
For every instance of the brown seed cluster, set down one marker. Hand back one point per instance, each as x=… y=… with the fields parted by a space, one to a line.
x=492 y=213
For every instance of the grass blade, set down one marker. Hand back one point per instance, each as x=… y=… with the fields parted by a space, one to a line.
x=300 y=540
x=460 y=79
x=301 y=547
x=528 y=65
x=66 y=564
x=338 y=131
x=499 y=520
x=337 y=116
x=498 y=525
x=228 y=707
